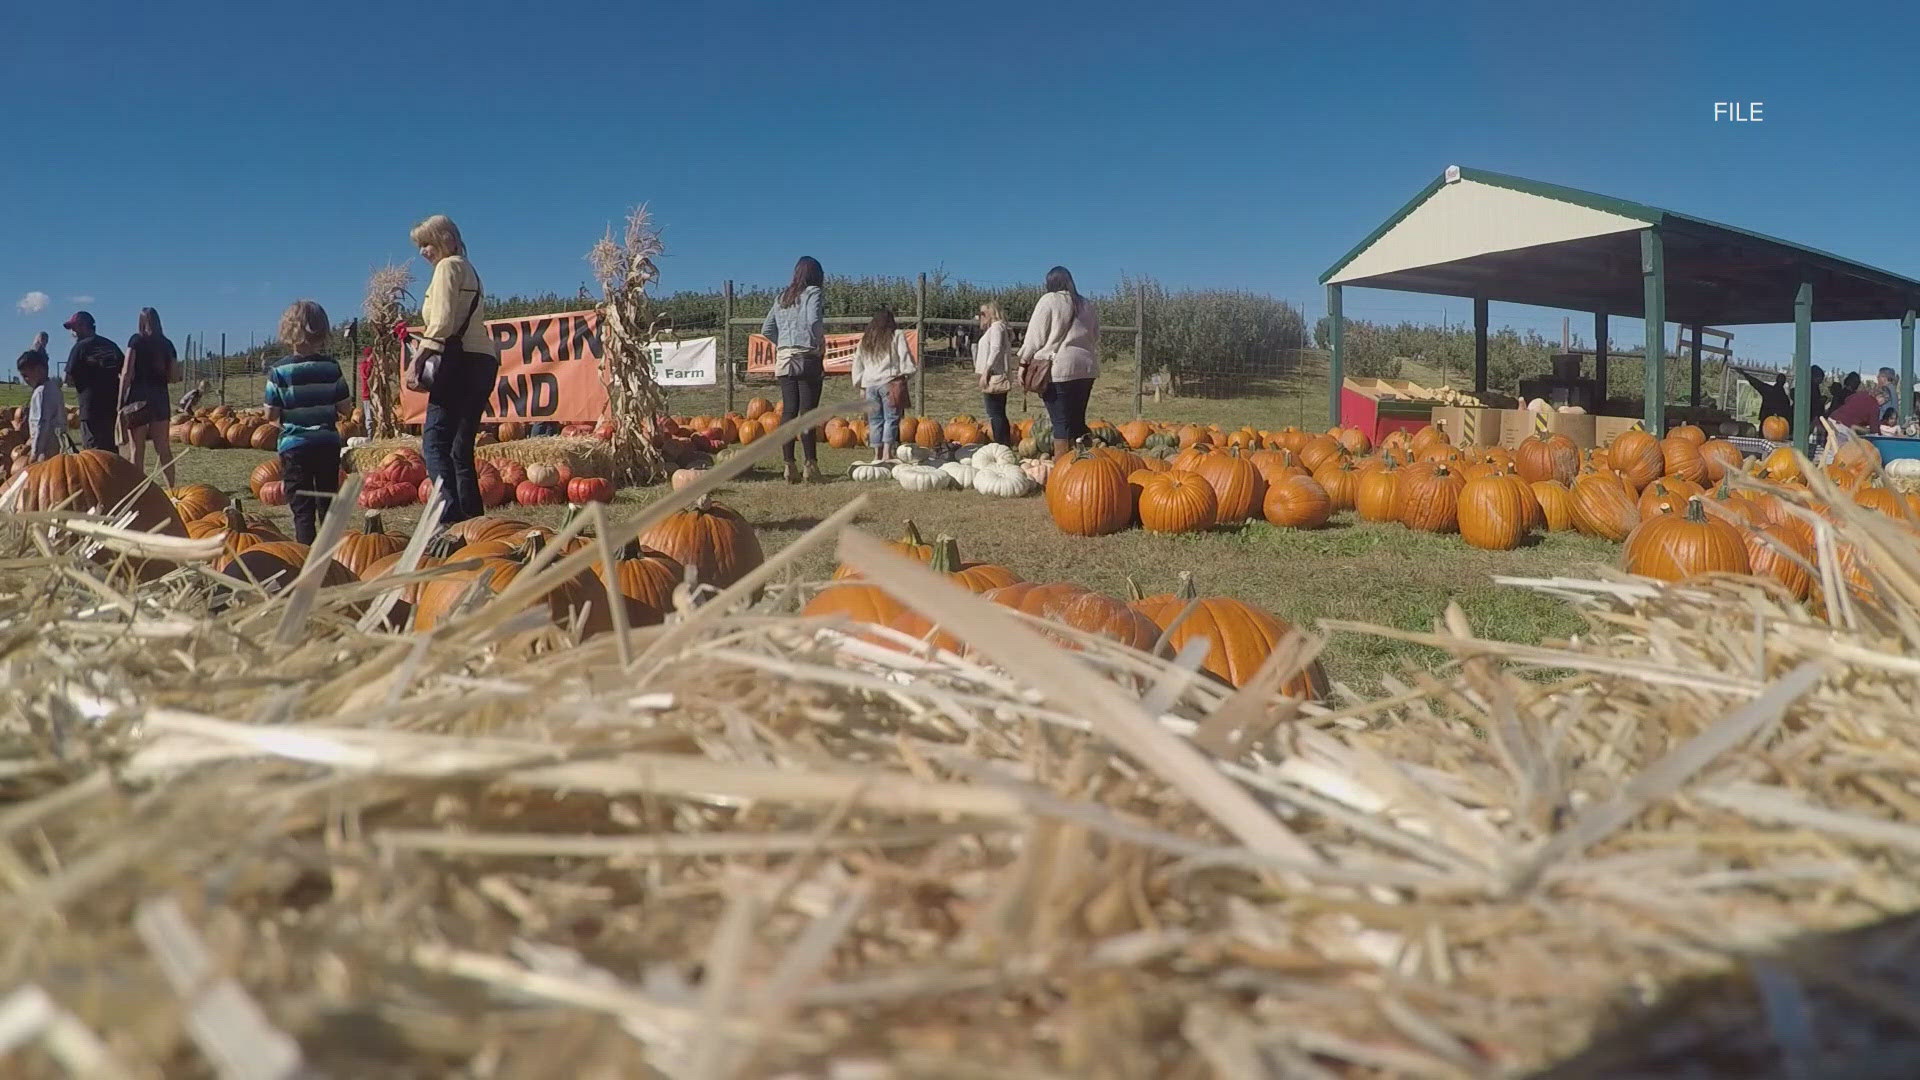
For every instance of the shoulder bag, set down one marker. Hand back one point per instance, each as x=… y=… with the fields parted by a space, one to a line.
x=1036 y=373
x=426 y=365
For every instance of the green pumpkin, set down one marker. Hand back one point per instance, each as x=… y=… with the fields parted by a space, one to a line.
x=1106 y=435
x=1161 y=440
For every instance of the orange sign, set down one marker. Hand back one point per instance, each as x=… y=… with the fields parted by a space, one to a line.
x=549 y=371
x=761 y=353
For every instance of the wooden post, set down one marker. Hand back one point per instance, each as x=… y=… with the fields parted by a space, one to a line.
x=223 y=367
x=1600 y=356
x=1336 y=331
x=1904 y=391
x=1653 y=281
x=1693 y=388
x=1803 y=366
x=920 y=326
x=1479 y=345
x=1140 y=345
x=726 y=343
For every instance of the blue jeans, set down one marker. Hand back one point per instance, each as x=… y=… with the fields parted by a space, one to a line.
x=455 y=406
x=883 y=424
x=1067 y=406
x=997 y=418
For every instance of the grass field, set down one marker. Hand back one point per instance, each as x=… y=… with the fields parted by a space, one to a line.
x=1350 y=570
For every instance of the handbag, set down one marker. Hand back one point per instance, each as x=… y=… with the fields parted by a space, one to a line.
x=899 y=398
x=134 y=414
x=426 y=365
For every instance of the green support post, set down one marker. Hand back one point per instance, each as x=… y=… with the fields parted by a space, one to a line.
x=1139 y=346
x=726 y=343
x=1479 y=345
x=1653 y=279
x=1600 y=356
x=1905 y=390
x=1803 y=366
x=1336 y=331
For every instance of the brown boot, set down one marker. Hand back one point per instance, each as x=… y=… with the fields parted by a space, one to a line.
x=811 y=473
x=793 y=473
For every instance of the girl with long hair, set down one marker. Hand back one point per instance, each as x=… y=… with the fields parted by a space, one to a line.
x=990 y=369
x=1064 y=330
x=797 y=327
x=151 y=364
x=881 y=365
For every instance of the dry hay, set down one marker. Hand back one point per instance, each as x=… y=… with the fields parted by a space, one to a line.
x=742 y=844
x=583 y=454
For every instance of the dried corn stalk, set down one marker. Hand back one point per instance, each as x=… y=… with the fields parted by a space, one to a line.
x=384 y=309
x=627 y=328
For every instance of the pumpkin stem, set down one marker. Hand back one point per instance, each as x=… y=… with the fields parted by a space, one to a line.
x=1185 y=590
x=911 y=536
x=946 y=556
x=1696 y=510
x=373 y=527
x=1134 y=595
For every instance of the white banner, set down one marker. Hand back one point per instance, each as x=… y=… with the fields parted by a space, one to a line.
x=686 y=363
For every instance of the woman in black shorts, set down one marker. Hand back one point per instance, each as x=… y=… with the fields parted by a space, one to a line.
x=151 y=364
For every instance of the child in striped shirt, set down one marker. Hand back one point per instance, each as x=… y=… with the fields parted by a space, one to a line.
x=307 y=394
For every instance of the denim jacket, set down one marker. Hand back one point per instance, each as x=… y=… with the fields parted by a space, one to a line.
x=797 y=329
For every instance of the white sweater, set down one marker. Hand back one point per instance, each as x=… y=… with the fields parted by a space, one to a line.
x=444 y=309
x=870 y=371
x=990 y=356
x=1076 y=355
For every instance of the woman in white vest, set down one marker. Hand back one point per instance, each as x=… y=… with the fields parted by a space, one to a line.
x=881 y=365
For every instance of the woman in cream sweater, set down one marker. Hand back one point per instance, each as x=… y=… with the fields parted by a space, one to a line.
x=1065 y=330
x=881 y=358
x=990 y=367
x=455 y=318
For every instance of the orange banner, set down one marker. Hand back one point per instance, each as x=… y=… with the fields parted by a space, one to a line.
x=839 y=359
x=549 y=371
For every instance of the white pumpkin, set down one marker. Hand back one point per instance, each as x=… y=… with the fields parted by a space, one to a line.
x=912 y=455
x=961 y=472
x=994 y=454
x=1037 y=469
x=923 y=478
x=871 y=470
x=1003 y=481
x=1903 y=468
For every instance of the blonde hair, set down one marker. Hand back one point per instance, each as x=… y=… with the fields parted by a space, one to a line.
x=992 y=310
x=304 y=328
x=439 y=233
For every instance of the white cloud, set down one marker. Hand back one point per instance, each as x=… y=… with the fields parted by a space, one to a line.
x=81 y=299
x=32 y=302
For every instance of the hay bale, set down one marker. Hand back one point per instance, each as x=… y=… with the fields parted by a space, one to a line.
x=584 y=455
x=745 y=844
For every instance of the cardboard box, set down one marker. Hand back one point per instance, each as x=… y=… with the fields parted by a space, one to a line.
x=1468 y=427
x=1518 y=425
x=1608 y=428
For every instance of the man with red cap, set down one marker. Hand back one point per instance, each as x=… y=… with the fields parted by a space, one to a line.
x=93 y=370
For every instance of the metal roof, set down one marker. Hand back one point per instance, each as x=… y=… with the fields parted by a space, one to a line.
x=1514 y=240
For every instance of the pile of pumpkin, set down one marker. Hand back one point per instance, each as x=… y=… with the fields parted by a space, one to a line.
x=14 y=438
x=718 y=544
x=991 y=469
x=1667 y=500
x=223 y=427
x=1239 y=635
x=401 y=480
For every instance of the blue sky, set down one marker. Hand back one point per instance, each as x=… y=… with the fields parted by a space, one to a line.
x=219 y=160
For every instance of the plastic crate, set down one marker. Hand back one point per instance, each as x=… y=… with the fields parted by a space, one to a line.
x=1894 y=448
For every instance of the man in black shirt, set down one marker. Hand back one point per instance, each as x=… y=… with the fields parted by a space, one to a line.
x=93 y=370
